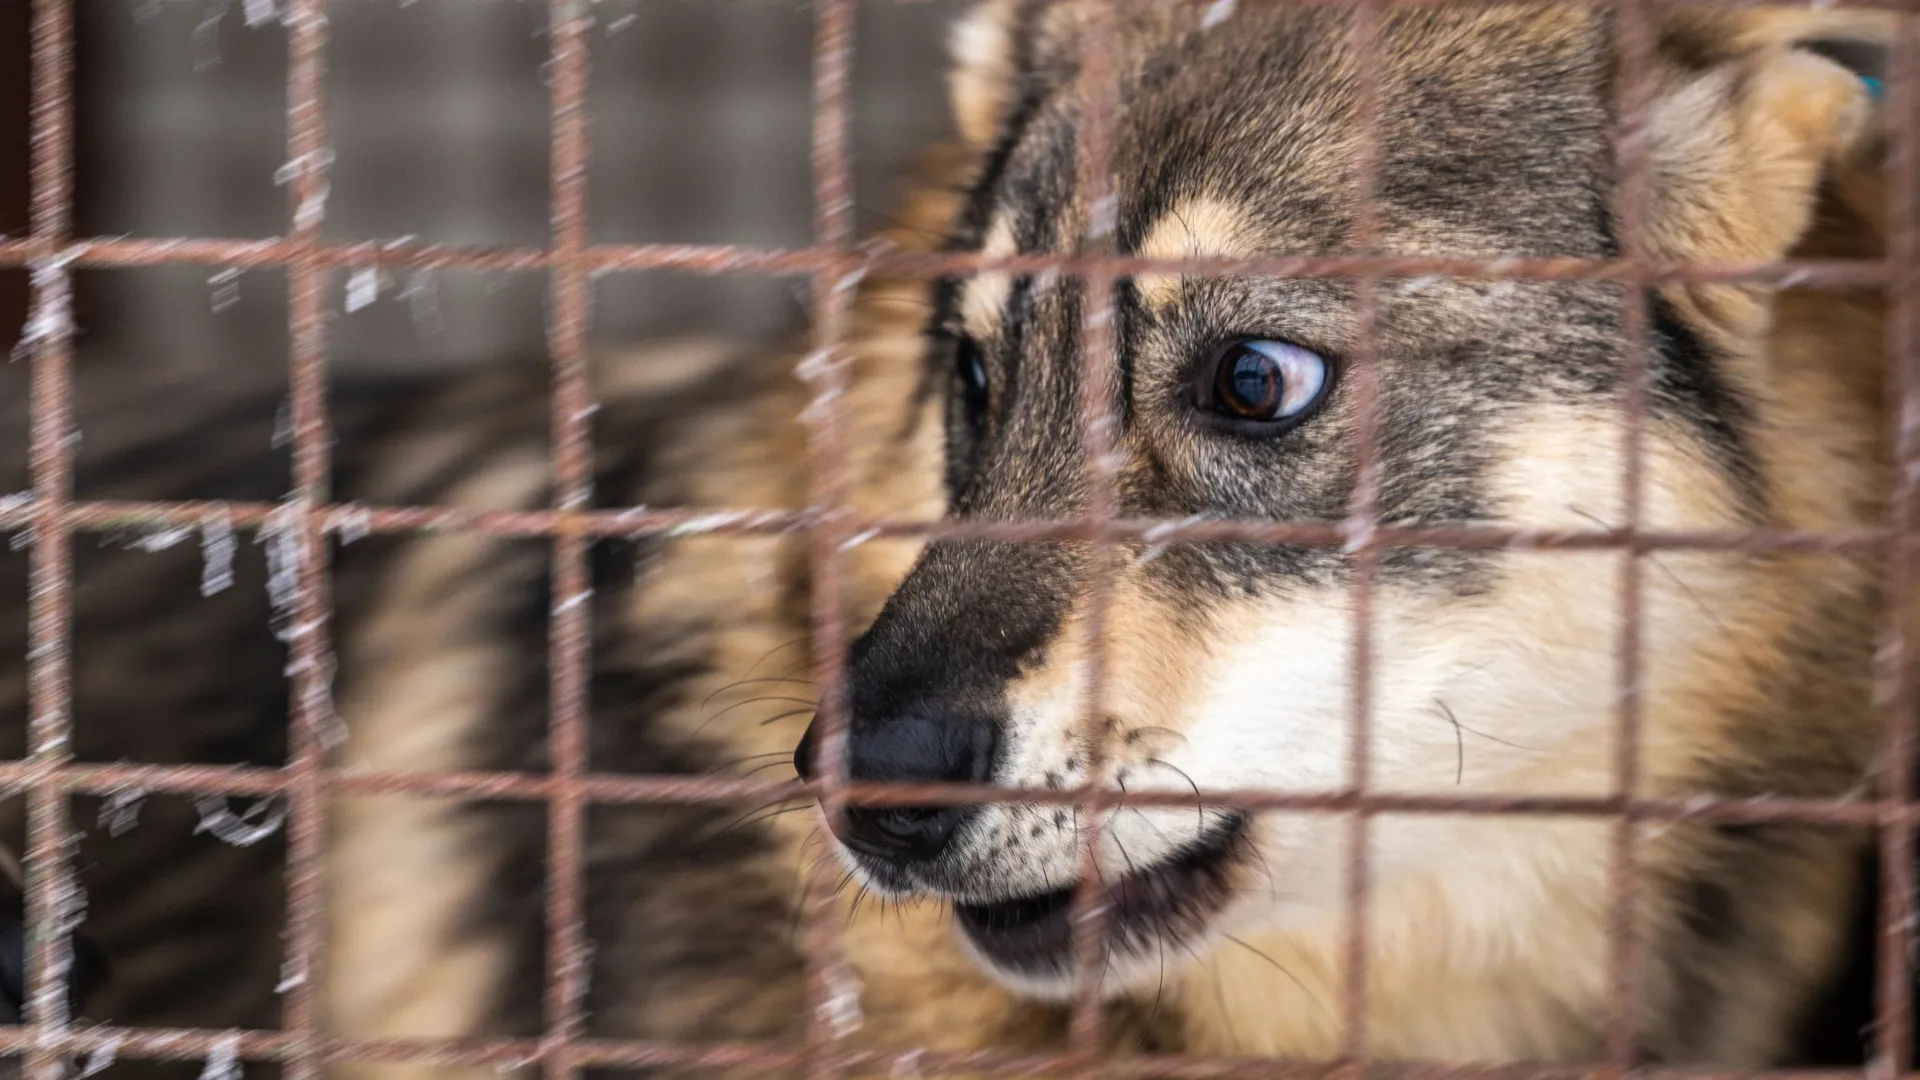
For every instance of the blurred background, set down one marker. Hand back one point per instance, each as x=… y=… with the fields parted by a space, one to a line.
x=438 y=114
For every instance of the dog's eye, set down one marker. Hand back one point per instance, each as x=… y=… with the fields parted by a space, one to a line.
x=972 y=373
x=1265 y=382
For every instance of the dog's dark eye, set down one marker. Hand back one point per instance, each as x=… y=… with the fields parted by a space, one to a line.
x=1265 y=382
x=966 y=410
x=972 y=373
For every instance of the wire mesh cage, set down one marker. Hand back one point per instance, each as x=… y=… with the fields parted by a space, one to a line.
x=310 y=518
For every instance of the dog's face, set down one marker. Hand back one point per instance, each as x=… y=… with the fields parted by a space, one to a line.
x=1228 y=665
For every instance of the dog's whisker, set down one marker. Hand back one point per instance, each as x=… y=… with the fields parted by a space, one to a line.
x=787 y=761
x=777 y=649
x=748 y=818
x=702 y=726
x=1160 y=988
x=777 y=717
x=1266 y=864
x=770 y=815
x=708 y=700
x=1282 y=969
x=1145 y=817
x=1162 y=729
x=1459 y=743
x=1485 y=735
x=1199 y=807
x=739 y=761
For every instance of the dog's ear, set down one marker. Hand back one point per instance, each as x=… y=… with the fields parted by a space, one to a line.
x=1757 y=116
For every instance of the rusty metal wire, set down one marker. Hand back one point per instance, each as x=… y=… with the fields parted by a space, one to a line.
x=1894 y=985
x=1633 y=44
x=49 y=884
x=569 y=639
x=832 y=993
x=310 y=714
x=637 y=522
x=834 y=263
x=731 y=259
x=1098 y=86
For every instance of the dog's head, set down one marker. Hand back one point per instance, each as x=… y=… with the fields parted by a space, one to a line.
x=1227 y=665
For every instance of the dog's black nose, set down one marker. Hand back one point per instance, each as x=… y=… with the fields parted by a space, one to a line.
x=917 y=747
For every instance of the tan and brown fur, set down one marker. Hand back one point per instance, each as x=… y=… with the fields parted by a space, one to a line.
x=1494 y=672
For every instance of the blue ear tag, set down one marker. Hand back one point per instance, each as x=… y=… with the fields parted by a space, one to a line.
x=1874 y=89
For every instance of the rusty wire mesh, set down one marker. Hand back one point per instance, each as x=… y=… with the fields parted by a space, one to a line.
x=835 y=262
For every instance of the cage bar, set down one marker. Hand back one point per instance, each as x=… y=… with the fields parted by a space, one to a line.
x=1633 y=58
x=1098 y=88
x=107 y=252
x=569 y=629
x=302 y=536
x=49 y=887
x=1894 y=676
x=832 y=992
x=639 y=522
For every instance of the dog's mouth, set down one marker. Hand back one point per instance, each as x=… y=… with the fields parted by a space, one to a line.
x=1172 y=900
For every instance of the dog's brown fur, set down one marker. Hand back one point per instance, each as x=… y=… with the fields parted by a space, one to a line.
x=1756 y=682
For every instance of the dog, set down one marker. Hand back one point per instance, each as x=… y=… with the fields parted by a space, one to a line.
x=1493 y=673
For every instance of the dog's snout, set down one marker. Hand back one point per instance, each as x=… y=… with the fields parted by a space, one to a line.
x=923 y=746
x=917 y=747
x=926 y=687
x=901 y=833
